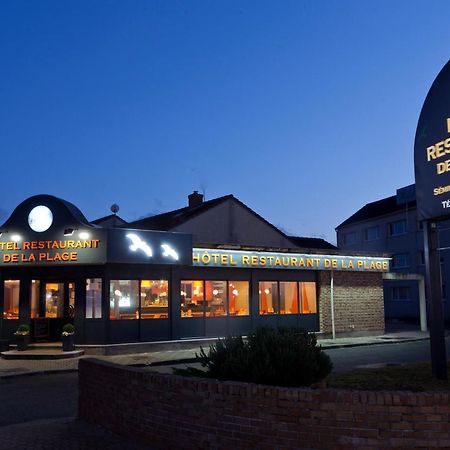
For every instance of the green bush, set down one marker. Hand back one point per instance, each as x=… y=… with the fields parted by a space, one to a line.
x=23 y=329
x=277 y=356
x=68 y=328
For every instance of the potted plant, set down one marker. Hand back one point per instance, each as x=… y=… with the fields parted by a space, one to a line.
x=22 y=335
x=68 y=337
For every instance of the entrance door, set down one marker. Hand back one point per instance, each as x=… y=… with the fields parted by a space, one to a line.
x=52 y=306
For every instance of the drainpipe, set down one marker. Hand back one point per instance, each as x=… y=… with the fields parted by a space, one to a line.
x=333 y=328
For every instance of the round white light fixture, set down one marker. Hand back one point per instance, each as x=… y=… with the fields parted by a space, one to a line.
x=40 y=218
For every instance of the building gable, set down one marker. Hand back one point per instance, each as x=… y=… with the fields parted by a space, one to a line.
x=232 y=222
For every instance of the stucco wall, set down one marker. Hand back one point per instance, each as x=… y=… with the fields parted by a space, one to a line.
x=230 y=222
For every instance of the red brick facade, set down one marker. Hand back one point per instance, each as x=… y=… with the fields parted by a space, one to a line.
x=358 y=302
x=171 y=412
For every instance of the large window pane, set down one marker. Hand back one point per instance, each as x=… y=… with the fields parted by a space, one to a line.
x=372 y=233
x=124 y=299
x=398 y=227
x=216 y=298
x=192 y=298
x=154 y=299
x=268 y=297
x=238 y=298
x=308 y=297
x=35 y=289
x=11 y=300
x=350 y=238
x=403 y=293
x=93 y=298
x=400 y=260
x=288 y=297
x=71 y=289
x=54 y=300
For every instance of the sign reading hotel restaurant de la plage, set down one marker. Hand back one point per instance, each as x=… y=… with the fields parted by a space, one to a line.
x=272 y=260
x=432 y=150
x=432 y=173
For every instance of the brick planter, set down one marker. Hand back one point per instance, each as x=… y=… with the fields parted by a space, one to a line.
x=174 y=412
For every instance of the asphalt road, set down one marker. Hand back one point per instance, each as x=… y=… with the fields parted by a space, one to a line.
x=345 y=359
x=38 y=412
x=35 y=397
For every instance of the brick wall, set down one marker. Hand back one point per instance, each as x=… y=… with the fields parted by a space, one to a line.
x=167 y=411
x=358 y=302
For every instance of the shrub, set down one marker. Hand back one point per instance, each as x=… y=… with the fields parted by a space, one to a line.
x=277 y=356
x=23 y=329
x=68 y=328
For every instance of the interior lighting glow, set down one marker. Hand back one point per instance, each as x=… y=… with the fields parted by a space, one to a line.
x=118 y=293
x=124 y=302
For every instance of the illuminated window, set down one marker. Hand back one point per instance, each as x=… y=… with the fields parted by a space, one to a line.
x=154 y=299
x=124 y=299
x=54 y=300
x=308 y=297
x=71 y=289
x=93 y=298
x=192 y=298
x=216 y=298
x=268 y=297
x=213 y=298
x=288 y=297
x=11 y=300
x=238 y=298
x=35 y=289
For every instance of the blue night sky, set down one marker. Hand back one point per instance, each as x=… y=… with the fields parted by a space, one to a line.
x=304 y=110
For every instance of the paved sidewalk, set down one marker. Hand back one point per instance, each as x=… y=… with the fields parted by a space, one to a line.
x=67 y=433
x=12 y=367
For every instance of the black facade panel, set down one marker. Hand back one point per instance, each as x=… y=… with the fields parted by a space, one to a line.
x=123 y=331
x=155 y=330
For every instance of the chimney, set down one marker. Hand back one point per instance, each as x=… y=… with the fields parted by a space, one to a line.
x=195 y=199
